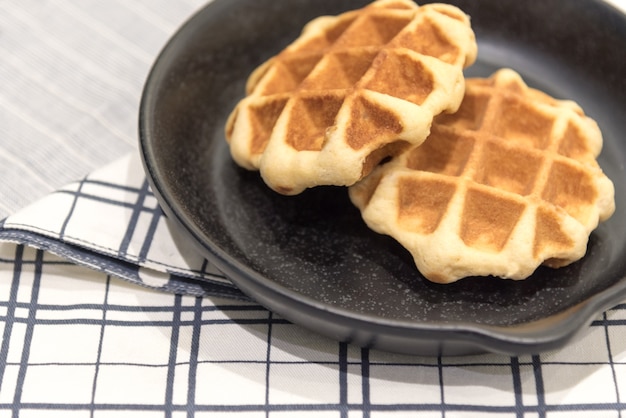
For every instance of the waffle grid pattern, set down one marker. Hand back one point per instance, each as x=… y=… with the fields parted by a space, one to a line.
x=349 y=92
x=512 y=177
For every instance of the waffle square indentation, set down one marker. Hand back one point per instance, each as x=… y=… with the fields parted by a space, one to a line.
x=574 y=143
x=373 y=30
x=443 y=152
x=488 y=220
x=571 y=188
x=340 y=70
x=497 y=169
x=523 y=123
x=470 y=114
x=422 y=203
x=429 y=39
x=399 y=75
x=290 y=72
x=263 y=118
x=310 y=117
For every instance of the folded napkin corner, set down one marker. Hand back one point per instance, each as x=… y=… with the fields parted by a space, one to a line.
x=110 y=221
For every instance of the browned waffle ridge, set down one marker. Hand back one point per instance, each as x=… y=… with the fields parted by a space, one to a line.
x=351 y=90
x=507 y=183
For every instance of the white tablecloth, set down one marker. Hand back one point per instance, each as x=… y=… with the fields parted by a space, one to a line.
x=101 y=316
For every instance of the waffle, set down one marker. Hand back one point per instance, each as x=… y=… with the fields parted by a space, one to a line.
x=352 y=90
x=506 y=184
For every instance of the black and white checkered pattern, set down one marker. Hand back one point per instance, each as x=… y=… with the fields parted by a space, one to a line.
x=111 y=221
x=79 y=340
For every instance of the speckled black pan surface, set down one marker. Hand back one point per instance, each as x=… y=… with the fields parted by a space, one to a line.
x=310 y=257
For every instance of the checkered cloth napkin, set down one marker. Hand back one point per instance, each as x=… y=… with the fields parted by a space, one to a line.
x=81 y=341
x=110 y=221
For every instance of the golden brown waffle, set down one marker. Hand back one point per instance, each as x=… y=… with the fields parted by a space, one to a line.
x=350 y=91
x=507 y=183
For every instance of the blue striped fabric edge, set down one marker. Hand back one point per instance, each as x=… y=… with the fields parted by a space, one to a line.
x=177 y=283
